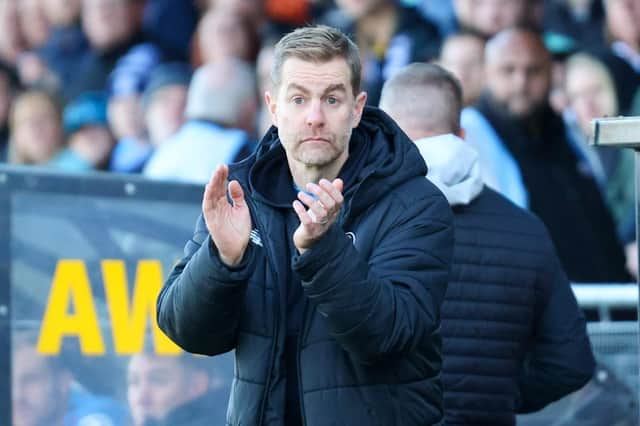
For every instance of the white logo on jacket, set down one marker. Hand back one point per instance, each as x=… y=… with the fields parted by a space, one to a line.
x=254 y=236
x=352 y=237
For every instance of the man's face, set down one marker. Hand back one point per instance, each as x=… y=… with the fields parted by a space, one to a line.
x=165 y=112
x=623 y=20
x=519 y=76
x=157 y=385
x=357 y=9
x=222 y=35
x=39 y=394
x=315 y=111
x=589 y=96
x=37 y=133
x=62 y=12
x=125 y=116
x=464 y=57
x=108 y=23
x=492 y=16
x=93 y=144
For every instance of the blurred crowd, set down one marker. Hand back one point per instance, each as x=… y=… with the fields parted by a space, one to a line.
x=169 y=89
x=146 y=389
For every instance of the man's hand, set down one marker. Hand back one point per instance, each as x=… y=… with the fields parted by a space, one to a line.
x=321 y=214
x=229 y=225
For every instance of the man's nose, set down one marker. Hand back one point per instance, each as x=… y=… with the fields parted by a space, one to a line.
x=519 y=80
x=315 y=114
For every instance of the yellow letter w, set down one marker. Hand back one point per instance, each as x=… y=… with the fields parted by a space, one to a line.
x=128 y=316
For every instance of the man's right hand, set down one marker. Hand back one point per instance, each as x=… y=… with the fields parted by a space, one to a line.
x=229 y=224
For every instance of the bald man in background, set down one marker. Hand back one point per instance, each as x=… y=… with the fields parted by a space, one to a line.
x=514 y=339
x=514 y=121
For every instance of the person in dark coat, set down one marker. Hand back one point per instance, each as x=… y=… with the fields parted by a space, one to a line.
x=559 y=184
x=323 y=262
x=514 y=338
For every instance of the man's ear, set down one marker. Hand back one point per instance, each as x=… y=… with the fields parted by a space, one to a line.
x=360 y=102
x=271 y=103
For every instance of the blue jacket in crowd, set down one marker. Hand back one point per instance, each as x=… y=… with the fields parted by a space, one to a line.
x=369 y=345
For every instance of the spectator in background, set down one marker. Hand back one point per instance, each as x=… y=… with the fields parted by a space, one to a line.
x=45 y=393
x=164 y=101
x=389 y=35
x=489 y=17
x=558 y=185
x=112 y=28
x=8 y=88
x=591 y=94
x=441 y=13
x=263 y=75
x=463 y=55
x=180 y=16
x=124 y=108
x=11 y=43
x=66 y=44
x=252 y=10
x=224 y=33
x=174 y=391
x=89 y=140
x=220 y=121
x=33 y=23
x=62 y=13
x=35 y=129
x=519 y=310
x=582 y=20
x=622 y=26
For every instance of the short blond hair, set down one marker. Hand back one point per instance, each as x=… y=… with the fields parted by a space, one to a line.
x=317 y=44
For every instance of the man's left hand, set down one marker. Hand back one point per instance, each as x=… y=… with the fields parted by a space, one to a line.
x=316 y=214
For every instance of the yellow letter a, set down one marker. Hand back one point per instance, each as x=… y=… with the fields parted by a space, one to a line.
x=70 y=284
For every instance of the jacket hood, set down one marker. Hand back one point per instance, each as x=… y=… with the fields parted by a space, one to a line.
x=453 y=167
x=388 y=159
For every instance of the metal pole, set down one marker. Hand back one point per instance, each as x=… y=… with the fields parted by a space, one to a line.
x=624 y=132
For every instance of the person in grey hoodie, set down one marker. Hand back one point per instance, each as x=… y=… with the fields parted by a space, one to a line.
x=514 y=338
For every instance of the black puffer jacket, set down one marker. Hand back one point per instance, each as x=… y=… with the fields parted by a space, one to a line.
x=369 y=349
x=513 y=336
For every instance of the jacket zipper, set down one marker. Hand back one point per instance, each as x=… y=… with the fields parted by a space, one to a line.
x=275 y=316
x=304 y=331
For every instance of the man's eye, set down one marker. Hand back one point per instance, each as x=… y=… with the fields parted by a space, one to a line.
x=331 y=100
x=298 y=100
